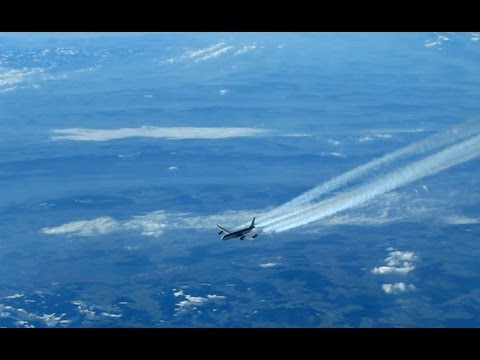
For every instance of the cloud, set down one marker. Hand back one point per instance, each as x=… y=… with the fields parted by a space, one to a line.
x=207 y=53
x=92 y=312
x=172 y=168
x=11 y=78
x=438 y=42
x=197 y=55
x=215 y=297
x=223 y=92
x=170 y=133
x=429 y=44
x=368 y=138
x=14 y=296
x=269 y=265
x=334 y=154
x=214 y=54
x=460 y=220
x=245 y=49
x=23 y=317
x=110 y=315
x=360 y=219
x=399 y=262
x=383 y=136
x=100 y=226
x=152 y=224
x=365 y=139
x=397 y=288
x=393 y=270
x=156 y=223
x=334 y=142
x=52 y=320
x=396 y=257
x=194 y=301
x=191 y=301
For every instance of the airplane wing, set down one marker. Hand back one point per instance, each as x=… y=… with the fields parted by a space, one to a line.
x=224 y=230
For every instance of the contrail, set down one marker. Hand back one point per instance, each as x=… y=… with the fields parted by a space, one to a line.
x=466 y=129
x=430 y=165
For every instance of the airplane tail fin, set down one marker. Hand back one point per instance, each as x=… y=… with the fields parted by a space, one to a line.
x=252 y=225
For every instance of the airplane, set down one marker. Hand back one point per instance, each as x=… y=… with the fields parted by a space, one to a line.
x=227 y=235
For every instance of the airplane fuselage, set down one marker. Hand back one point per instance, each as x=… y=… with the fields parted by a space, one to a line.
x=236 y=234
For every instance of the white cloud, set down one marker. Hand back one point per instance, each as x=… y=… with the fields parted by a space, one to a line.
x=66 y=51
x=14 y=296
x=297 y=135
x=365 y=139
x=397 y=288
x=177 y=293
x=214 y=54
x=210 y=52
x=207 y=50
x=245 y=49
x=398 y=257
x=438 y=42
x=191 y=301
x=383 y=136
x=170 y=60
x=153 y=224
x=203 y=54
x=172 y=168
x=11 y=78
x=223 y=92
x=87 y=69
x=460 y=220
x=52 y=320
x=106 y=314
x=334 y=142
x=269 y=265
x=194 y=301
x=23 y=317
x=170 y=133
x=399 y=262
x=393 y=270
x=334 y=154
x=215 y=297
x=91 y=312
x=430 y=44
x=99 y=226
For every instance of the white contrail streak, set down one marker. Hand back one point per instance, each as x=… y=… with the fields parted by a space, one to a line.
x=468 y=128
x=453 y=155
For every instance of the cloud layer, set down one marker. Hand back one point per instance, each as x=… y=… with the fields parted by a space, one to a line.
x=170 y=133
x=156 y=223
x=100 y=226
x=153 y=224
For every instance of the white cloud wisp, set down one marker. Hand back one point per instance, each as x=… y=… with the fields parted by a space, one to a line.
x=169 y=133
